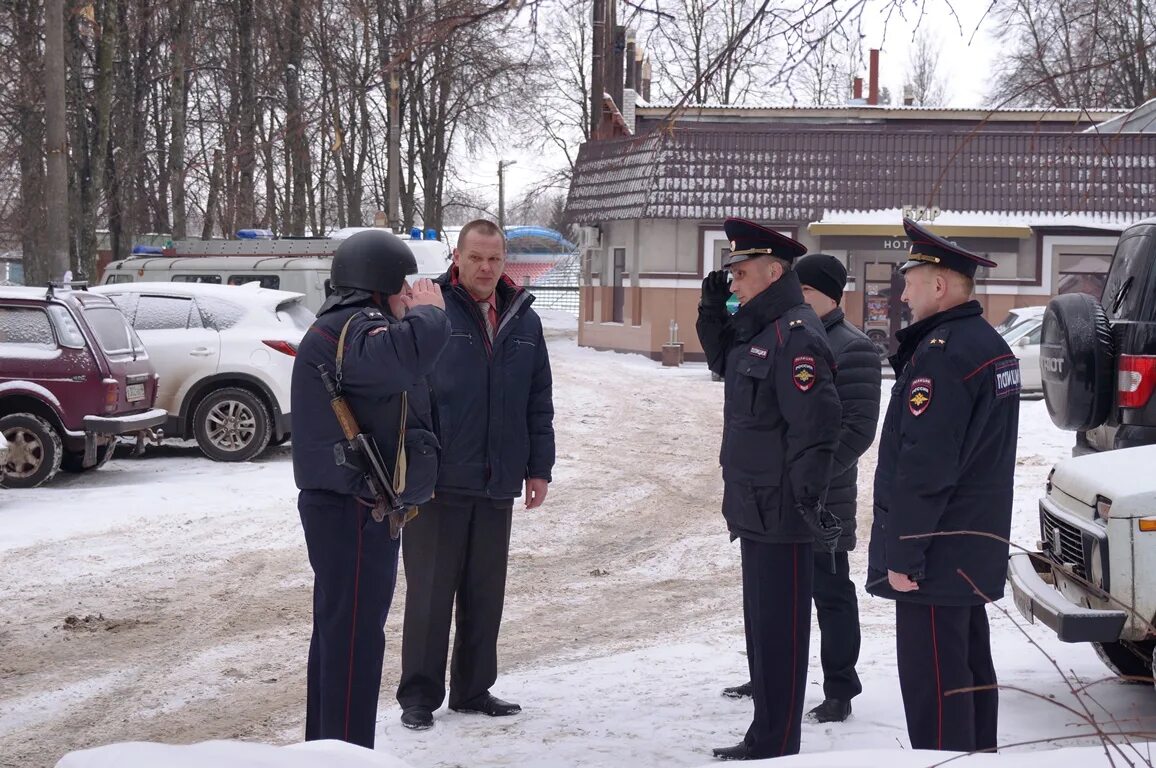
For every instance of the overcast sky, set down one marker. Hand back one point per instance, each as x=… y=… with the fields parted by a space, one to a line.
x=965 y=61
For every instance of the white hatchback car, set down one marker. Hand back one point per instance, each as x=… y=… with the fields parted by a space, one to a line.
x=224 y=355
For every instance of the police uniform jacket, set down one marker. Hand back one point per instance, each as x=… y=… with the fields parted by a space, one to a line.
x=493 y=400
x=781 y=410
x=947 y=461
x=857 y=380
x=383 y=358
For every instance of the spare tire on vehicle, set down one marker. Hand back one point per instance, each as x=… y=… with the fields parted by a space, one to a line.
x=1077 y=362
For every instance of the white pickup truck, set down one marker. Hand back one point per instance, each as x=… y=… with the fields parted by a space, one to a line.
x=1094 y=578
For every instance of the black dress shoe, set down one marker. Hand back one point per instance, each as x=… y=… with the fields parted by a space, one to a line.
x=417 y=718
x=830 y=711
x=737 y=752
x=744 y=691
x=488 y=705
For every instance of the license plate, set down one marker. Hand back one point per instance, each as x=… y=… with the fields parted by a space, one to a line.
x=134 y=392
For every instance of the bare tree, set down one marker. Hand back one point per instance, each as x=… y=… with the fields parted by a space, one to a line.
x=924 y=76
x=1075 y=53
x=701 y=55
x=824 y=78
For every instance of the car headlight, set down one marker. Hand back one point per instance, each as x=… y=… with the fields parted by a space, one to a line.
x=1095 y=566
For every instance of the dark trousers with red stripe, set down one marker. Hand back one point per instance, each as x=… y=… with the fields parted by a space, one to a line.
x=942 y=648
x=355 y=570
x=777 y=583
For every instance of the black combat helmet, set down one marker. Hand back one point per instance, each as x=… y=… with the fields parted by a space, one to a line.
x=372 y=260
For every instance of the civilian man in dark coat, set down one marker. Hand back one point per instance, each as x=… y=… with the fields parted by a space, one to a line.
x=495 y=414
x=377 y=338
x=857 y=380
x=947 y=459
x=780 y=429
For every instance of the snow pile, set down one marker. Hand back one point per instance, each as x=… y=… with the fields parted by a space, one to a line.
x=230 y=754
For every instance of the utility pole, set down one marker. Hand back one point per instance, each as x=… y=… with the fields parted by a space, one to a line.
x=502 y=166
x=394 y=160
x=56 y=149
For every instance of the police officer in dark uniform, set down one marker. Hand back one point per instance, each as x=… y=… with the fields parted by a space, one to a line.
x=857 y=380
x=780 y=428
x=377 y=338
x=946 y=465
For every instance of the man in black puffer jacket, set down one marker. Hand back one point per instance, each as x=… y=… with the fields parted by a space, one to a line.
x=495 y=414
x=857 y=380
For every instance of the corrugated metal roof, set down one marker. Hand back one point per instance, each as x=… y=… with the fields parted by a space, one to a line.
x=976 y=113
x=782 y=173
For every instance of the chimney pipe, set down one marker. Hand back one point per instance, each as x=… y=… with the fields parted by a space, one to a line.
x=873 y=82
x=857 y=89
x=631 y=83
x=646 y=79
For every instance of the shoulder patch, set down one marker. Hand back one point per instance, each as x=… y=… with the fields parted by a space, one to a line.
x=1007 y=377
x=919 y=395
x=759 y=352
x=804 y=372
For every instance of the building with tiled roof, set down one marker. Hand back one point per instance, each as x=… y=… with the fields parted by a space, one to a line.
x=1042 y=193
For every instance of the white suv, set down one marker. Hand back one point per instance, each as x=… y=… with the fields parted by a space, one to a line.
x=224 y=355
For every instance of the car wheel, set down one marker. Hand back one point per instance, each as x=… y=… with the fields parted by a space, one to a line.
x=73 y=461
x=1127 y=659
x=232 y=424
x=34 y=450
x=1077 y=362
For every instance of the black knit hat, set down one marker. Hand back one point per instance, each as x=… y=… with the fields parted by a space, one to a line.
x=823 y=272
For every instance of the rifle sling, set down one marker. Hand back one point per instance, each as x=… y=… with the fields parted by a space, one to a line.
x=399 y=465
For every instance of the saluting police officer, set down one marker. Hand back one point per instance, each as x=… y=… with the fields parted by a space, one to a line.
x=946 y=466
x=377 y=338
x=780 y=427
x=857 y=380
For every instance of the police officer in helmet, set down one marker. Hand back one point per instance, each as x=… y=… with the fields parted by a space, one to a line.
x=781 y=417
x=375 y=339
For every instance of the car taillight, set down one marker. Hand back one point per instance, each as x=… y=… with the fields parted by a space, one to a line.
x=111 y=394
x=284 y=347
x=1136 y=380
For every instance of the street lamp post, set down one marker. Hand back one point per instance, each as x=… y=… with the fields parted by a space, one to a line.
x=502 y=166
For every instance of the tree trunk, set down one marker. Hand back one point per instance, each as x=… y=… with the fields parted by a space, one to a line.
x=84 y=195
x=181 y=11
x=30 y=124
x=56 y=143
x=246 y=210
x=216 y=177
x=297 y=146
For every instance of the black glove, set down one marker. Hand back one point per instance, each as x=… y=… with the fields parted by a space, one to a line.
x=716 y=290
x=822 y=523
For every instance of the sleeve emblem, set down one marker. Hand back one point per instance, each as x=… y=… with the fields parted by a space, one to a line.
x=804 y=374
x=919 y=396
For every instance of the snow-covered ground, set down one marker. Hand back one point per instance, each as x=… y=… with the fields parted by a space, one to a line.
x=167 y=599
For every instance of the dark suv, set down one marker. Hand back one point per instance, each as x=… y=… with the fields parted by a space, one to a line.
x=73 y=376
x=1098 y=358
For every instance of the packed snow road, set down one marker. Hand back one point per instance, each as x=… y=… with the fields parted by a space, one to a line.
x=167 y=598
